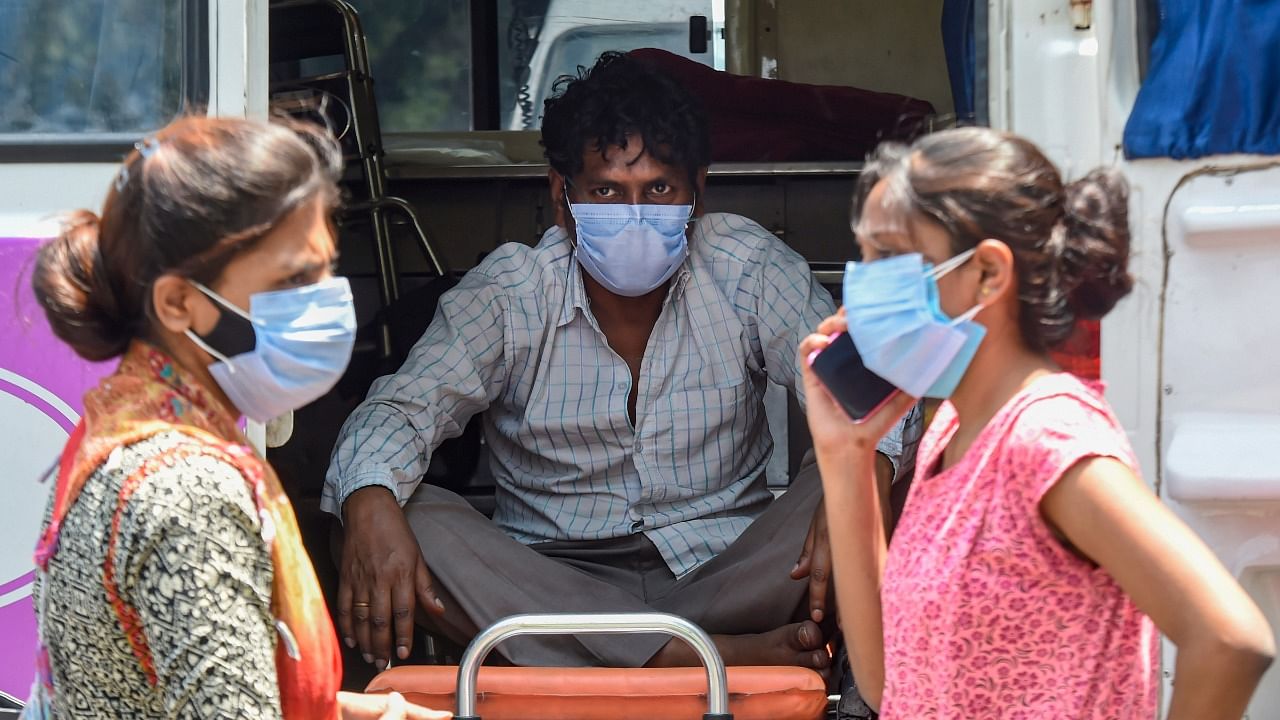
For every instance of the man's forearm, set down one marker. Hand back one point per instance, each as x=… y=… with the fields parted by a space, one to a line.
x=378 y=445
x=335 y=496
x=368 y=501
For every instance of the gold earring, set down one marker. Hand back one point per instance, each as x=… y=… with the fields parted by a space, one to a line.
x=986 y=290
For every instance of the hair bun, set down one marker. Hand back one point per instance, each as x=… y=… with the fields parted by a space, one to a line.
x=69 y=284
x=1093 y=239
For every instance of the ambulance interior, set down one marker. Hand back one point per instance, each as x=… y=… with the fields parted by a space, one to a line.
x=444 y=163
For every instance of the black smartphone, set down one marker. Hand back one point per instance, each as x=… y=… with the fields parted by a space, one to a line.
x=858 y=390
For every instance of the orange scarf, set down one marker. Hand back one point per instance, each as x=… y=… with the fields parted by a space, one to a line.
x=147 y=396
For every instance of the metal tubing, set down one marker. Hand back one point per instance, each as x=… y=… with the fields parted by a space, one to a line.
x=401 y=206
x=594 y=624
x=425 y=244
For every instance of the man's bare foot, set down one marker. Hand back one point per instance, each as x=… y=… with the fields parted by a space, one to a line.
x=800 y=644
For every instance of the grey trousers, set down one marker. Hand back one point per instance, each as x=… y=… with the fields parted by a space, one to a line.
x=483 y=575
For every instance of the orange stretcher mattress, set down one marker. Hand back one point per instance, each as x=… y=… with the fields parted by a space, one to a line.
x=541 y=693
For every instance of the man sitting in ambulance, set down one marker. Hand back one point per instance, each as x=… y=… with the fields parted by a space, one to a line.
x=621 y=366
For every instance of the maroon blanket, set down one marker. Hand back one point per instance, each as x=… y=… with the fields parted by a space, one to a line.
x=759 y=120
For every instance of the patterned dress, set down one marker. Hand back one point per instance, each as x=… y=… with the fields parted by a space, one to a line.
x=171 y=577
x=986 y=613
x=189 y=558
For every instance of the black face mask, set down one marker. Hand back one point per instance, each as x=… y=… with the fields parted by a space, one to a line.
x=233 y=334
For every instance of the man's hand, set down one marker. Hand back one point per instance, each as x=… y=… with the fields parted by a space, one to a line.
x=815 y=564
x=383 y=579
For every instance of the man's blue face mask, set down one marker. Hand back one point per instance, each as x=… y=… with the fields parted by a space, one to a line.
x=897 y=324
x=630 y=249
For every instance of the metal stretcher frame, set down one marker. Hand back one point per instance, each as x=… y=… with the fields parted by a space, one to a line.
x=579 y=624
x=708 y=690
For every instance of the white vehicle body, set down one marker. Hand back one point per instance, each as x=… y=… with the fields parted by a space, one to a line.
x=1190 y=358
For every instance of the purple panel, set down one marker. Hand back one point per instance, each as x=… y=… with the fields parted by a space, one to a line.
x=17 y=662
x=29 y=349
x=27 y=345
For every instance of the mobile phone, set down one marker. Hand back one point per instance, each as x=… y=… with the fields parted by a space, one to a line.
x=858 y=390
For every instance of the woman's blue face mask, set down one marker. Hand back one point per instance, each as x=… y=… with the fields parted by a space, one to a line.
x=898 y=326
x=288 y=349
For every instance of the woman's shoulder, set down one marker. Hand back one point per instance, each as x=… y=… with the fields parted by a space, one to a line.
x=1061 y=401
x=1053 y=418
x=1061 y=419
x=178 y=480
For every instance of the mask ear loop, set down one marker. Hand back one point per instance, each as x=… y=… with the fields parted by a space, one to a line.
x=222 y=301
x=947 y=266
x=573 y=265
x=950 y=264
x=564 y=196
x=228 y=305
x=968 y=315
x=207 y=348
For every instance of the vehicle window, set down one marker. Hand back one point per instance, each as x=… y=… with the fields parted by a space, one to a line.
x=422 y=55
x=549 y=38
x=96 y=66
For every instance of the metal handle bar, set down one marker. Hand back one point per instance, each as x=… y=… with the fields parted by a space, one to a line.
x=593 y=624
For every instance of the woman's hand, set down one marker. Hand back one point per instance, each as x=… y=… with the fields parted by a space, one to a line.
x=846 y=454
x=831 y=428
x=377 y=706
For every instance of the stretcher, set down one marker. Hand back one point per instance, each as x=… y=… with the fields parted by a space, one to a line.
x=541 y=693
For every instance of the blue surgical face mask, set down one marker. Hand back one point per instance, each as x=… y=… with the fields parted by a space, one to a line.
x=631 y=249
x=290 y=348
x=896 y=322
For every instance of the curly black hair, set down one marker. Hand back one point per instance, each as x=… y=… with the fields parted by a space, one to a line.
x=619 y=96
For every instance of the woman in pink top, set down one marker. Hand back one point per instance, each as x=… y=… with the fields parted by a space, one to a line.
x=1031 y=559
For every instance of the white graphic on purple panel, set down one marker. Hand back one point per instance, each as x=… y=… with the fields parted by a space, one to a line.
x=41 y=386
x=30 y=423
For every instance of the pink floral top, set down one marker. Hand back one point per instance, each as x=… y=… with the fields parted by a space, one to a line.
x=986 y=613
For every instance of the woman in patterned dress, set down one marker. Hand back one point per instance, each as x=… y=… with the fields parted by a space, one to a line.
x=172 y=582
x=1031 y=567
